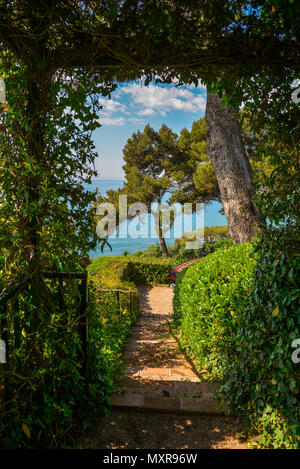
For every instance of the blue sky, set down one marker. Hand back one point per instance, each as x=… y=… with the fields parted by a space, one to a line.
x=134 y=105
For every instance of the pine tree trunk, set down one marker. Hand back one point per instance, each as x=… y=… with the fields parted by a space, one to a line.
x=159 y=231
x=163 y=247
x=226 y=152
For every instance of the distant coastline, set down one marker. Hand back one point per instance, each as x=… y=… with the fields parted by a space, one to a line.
x=212 y=217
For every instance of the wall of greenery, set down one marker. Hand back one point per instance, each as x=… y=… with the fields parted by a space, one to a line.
x=237 y=318
x=46 y=395
x=209 y=298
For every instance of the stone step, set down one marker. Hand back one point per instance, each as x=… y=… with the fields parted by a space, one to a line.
x=150 y=347
x=149 y=334
x=166 y=388
x=176 y=374
x=157 y=329
x=151 y=403
x=152 y=341
x=166 y=359
x=156 y=316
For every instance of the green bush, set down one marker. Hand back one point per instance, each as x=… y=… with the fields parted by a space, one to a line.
x=124 y=272
x=239 y=323
x=209 y=299
x=153 y=250
x=110 y=324
x=262 y=383
x=108 y=272
x=148 y=270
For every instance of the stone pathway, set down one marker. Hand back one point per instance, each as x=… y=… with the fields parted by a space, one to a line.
x=157 y=375
x=162 y=403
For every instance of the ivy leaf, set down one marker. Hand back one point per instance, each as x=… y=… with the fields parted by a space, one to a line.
x=275 y=311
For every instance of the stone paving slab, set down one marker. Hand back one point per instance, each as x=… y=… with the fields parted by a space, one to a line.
x=157 y=377
x=166 y=360
x=166 y=388
x=150 y=403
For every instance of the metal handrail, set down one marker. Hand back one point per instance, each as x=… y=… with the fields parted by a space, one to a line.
x=19 y=287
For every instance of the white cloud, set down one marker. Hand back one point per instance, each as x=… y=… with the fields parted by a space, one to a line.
x=107 y=120
x=146 y=112
x=159 y=100
x=149 y=101
x=110 y=105
x=136 y=120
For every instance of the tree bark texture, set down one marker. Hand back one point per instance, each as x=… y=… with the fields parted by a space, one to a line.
x=163 y=247
x=159 y=231
x=226 y=152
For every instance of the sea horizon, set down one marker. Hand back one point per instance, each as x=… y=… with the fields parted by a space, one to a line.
x=212 y=217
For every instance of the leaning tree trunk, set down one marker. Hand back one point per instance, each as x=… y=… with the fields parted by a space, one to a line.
x=226 y=152
x=163 y=247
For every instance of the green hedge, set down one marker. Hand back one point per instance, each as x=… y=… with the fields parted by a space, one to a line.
x=263 y=382
x=238 y=322
x=123 y=272
x=148 y=270
x=209 y=298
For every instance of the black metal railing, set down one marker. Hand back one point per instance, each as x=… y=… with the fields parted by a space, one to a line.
x=133 y=296
x=10 y=299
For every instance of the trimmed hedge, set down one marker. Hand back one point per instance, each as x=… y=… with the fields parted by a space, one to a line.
x=148 y=270
x=263 y=383
x=124 y=272
x=209 y=298
x=237 y=318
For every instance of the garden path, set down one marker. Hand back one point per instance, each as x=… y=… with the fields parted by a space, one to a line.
x=162 y=401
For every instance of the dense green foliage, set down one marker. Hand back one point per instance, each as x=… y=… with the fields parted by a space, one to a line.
x=209 y=299
x=148 y=266
x=128 y=39
x=47 y=156
x=179 y=253
x=108 y=272
x=45 y=211
x=195 y=180
x=148 y=270
x=262 y=382
x=239 y=325
x=51 y=394
x=124 y=271
x=112 y=319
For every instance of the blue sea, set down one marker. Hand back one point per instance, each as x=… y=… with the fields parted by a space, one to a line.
x=212 y=217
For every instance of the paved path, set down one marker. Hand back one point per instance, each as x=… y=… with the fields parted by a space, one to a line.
x=162 y=402
x=157 y=375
